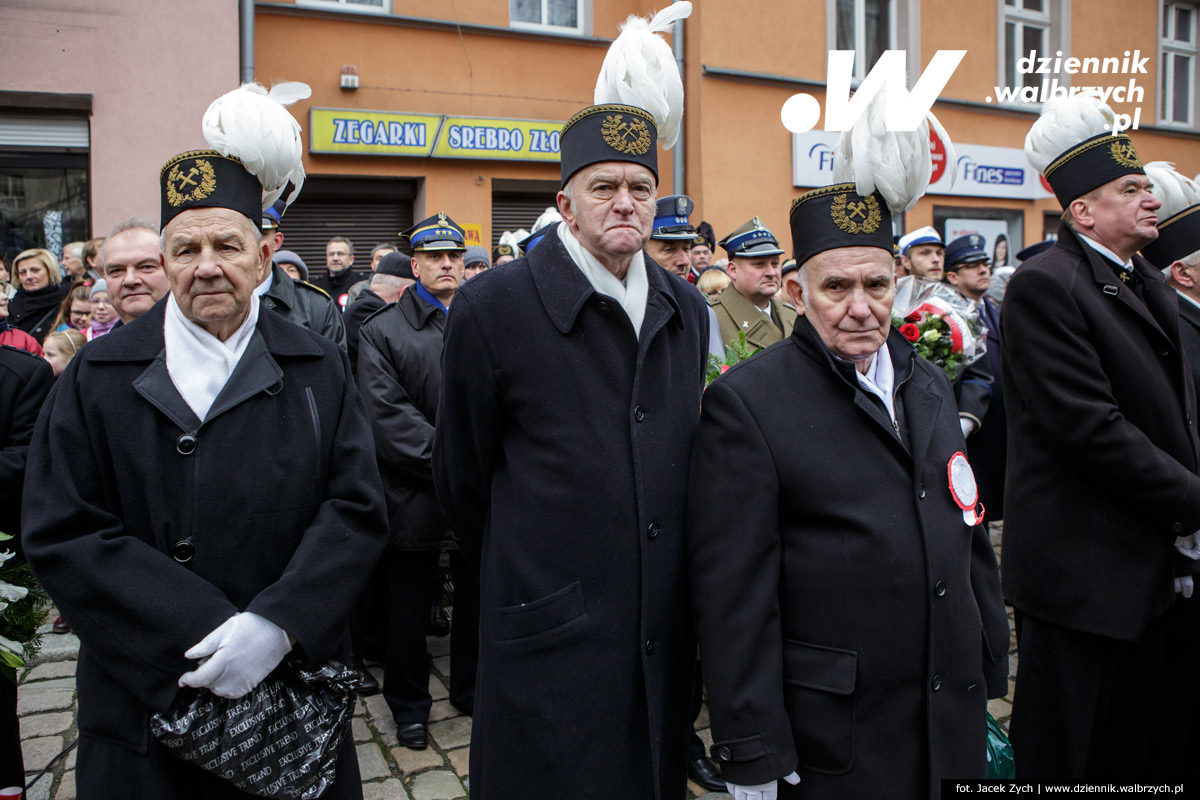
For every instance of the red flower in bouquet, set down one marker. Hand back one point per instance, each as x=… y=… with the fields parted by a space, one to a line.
x=910 y=331
x=913 y=317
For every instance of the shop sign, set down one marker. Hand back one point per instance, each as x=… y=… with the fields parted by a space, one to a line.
x=377 y=133
x=979 y=170
x=498 y=139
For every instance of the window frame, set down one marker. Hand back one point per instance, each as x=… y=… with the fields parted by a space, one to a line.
x=898 y=31
x=582 y=16
x=1055 y=19
x=1173 y=47
x=348 y=6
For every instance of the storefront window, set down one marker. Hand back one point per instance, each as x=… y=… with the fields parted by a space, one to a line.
x=43 y=202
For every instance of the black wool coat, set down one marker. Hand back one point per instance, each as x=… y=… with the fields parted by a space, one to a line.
x=987 y=447
x=25 y=382
x=561 y=460
x=163 y=527
x=850 y=621
x=399 y=375
x=305 y=305
x=1102 y=450
x=355 y=315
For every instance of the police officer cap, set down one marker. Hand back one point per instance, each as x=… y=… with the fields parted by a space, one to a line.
x=671 y=219
x=965 y=251
x=436 y=233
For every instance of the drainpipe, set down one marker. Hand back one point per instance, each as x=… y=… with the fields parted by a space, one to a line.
x=677 y=150
x=246 y=24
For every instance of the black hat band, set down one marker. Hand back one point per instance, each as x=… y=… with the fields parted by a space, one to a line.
x=609 y=132
x=207 y=179
x=1090 y=164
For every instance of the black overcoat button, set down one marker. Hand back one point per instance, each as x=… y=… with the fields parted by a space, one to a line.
x=939 y=589
x=183 y=551
x=652 y=531
x=937 y=682
x=638 y=414
x=186 y=444
x=602 y=307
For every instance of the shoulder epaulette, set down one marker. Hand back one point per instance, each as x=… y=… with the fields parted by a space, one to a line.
x=314 y=287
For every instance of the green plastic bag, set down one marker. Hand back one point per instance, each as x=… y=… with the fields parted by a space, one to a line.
x=999 y=752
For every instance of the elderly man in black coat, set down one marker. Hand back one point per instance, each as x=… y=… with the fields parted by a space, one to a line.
x=400 y=373
x=571 y=391
x=218 y=505
x=1102 y=462
x=847 y=602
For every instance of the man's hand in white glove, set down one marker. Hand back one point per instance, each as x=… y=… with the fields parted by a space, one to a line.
x=968 y=426
x=1184 y=586
x=764 y=791
x=236 y=656
x=1188 y=546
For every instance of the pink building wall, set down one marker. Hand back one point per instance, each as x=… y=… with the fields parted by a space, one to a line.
x=152 y=67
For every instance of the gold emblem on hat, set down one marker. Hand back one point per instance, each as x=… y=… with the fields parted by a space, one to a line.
x=1124 y=154
x=856 y=217
x=187 y=187
x=631 y=138
x=442 y=221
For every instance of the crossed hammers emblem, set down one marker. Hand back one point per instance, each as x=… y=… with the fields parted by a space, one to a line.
x=186 y=180
x=858 y=209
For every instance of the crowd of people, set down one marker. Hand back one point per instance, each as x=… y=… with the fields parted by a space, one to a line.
x=257 y=468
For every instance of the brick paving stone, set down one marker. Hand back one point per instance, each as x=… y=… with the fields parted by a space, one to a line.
x=442 y=664
x=391 y=789
x=59 y=669
x=461 y=760
x=360 y=730
x=57 y=647
x=439 y=785
x=702 y=720
x=40 y=750
x=43 y=696
x=452 y=733
x=411 y=762
x=46 y=724
x=438 y=645
x=360 y=707
x=69 y=762
x=437 y=689
x=370 y=762
x=999 y=708
x=443 y=710
x=41 y=789
x=66 y=787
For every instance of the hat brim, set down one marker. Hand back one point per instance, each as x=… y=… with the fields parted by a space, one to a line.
x=755 y=251
x=674 y=237
x=438 y=246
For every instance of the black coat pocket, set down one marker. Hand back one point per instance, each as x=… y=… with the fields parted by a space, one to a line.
x=540 y=616
x=820 y=697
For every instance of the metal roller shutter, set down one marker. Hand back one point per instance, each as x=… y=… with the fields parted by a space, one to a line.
x=365 y=215
x=512 y=211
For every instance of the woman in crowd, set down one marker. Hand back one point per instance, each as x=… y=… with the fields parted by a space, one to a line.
x=712 y=281
x=40 y=291
x=60 y=347
x=104 y=315
x=1000 y=253
x=12 y=336
x=76 y=309
x=6 y=287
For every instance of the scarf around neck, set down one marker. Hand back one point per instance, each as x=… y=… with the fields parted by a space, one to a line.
x=630 y=293
x=198 y=362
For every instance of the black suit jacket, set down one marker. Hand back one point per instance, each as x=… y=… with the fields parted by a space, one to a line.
x=1102 y=450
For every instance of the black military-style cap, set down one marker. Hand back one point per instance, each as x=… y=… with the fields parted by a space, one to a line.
x=396 y=264
x=837 y=216
x=1092 y=163
x=207 y=179
x=671 y=219
x=1178 y=237
x=608 y=132
x=504 y=249
x=965 y=251
x=437 y=232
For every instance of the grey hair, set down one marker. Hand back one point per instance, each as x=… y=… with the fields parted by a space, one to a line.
x=128 y=224
x=382 y=279
x=75 y=249
x=162 y=237
x=1192 y=259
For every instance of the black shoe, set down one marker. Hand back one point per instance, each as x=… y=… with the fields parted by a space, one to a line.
x=707 y=774
x=414 y=735
x=368 y=686
x=439 y=623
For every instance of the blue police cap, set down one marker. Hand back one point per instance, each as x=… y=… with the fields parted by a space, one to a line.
x=965 y=250
x=438 y=232
x=671 y=218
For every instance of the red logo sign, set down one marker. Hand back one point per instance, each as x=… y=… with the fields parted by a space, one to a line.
x=937 y=152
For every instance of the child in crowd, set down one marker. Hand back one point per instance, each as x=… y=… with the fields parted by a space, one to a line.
x=60 y=347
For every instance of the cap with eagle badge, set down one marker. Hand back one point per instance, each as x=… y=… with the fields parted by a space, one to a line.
x=965 y=251
x=436 y=233
x=751 y=240
x=671 y=219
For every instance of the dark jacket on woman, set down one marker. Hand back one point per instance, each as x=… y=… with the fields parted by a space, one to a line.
x=399 y=375
x=34 y=311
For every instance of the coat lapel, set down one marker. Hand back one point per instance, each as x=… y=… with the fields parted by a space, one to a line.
x=562 y=291
x=1103 y=275
x=255 y=372
x=156 y=386
x=761 y=330
x=922 y=406
x=661 y=305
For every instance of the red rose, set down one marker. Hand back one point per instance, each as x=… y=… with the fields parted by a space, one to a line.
x=911 y=332
x=724 y=368
x=913 y=317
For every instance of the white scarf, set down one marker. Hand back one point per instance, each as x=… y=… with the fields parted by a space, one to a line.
x=880 y=380
x=198 y=362
x=630 y=293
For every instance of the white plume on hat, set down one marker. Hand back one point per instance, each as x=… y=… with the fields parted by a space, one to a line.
x=252 y=125
x=640 y=70
x=897 y=163
x=513 y=239
x=548 y=217
x=1064 y=123
x=1176 y=192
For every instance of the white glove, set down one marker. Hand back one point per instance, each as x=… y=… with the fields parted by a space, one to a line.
x=968 y=426
x=1188 y=546
x=763 y=791
x=236 y=656
x=1184 y=585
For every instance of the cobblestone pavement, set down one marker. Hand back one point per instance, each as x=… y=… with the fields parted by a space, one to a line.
x=46 y=705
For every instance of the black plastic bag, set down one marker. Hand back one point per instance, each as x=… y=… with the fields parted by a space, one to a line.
x=281 y=740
